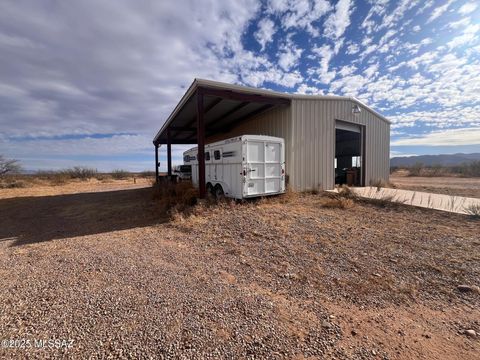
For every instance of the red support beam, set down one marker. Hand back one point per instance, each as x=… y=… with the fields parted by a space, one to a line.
x=169 y=153
x=226 y=115
x=193 y=120
x=201 y=143
x=156 y=163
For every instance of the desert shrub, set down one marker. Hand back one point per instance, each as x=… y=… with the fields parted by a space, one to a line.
x=54 y=177
x=79 y=172
x=345 y=192
x=339 y=203
x=287 y=197
x=474 y=168
x=59 y=178
x=103 y=177
x=175 y=197
x=473 y=210
x=471 y=169
x=147 y=174
x=9 y=166
x=394 y=169
x=13 y=184
x=379 y=183
x=119 y=174
x=415 y=170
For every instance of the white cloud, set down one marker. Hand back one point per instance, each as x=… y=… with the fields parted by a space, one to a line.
x=289 y=56
x=349 y=85
x=347 y=70
x=469 y=35
x=309 y=90
x=426 y=41
x=326 y=53
x=416 y=28
x=397 y=14
x=299 y=13
x=468 y=8
x=266 y=29
x=115 y=86
x=449 y=137
x=438 y=11
x=338 y=21
x=460 y=23
x=353 y=49
x=378 y=8
x=450 y=116
x=428 y=4
x=371 y=71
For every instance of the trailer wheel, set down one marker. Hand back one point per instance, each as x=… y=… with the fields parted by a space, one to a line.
x=210 y=189
x=218 y=191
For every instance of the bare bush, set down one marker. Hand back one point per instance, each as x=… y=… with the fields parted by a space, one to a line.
x=415 y=170
x=471 y=169
x=147 y=174
x=9 y=166
x=120 y=174
x=345 y=192
x=79 y=172
x=473 y=210
x=339 y=202
x=379 y=183
x=13 y=184
x=175 y=197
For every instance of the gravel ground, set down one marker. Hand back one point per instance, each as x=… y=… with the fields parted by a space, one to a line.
x=277 y=278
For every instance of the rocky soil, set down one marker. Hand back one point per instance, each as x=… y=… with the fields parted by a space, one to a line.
x=277 y=278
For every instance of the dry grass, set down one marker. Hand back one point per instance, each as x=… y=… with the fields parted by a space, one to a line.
x=236 y=278
x=175 y=198
x=12 y=183
x=473 y=210
x=382 y=184
x=340 y=203
x=120 y=174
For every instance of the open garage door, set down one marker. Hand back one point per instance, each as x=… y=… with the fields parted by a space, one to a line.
x=349 y=157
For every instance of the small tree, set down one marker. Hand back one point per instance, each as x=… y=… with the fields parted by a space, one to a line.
x=8 y=166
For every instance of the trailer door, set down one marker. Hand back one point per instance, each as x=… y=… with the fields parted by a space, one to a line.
x=264 y=167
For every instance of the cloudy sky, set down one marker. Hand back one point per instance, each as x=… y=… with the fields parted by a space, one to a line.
x=90 y=82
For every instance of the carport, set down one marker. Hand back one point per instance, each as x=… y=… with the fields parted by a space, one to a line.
x=206 y=110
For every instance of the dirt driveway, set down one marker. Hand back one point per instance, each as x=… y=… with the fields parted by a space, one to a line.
x=278 y=278
x=469 y=187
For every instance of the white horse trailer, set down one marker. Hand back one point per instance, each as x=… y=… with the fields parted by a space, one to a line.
x=242 y=167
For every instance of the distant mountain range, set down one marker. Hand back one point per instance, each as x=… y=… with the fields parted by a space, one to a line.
x=428 y=160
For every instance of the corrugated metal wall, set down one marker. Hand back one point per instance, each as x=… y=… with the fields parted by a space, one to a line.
x=313 y=142
x=275 y=122
x=308 y=127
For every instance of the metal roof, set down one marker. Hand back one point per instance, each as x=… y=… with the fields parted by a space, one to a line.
x=225 y=105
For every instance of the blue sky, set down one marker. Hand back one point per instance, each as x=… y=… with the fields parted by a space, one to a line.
x=90 y=83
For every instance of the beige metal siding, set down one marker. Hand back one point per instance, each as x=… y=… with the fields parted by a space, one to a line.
x=308 y=127
x=275 y=122
x=313 y=142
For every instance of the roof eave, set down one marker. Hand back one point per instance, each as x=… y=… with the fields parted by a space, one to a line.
x=215 y=84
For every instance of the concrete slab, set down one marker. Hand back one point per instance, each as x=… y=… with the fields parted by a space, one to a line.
x=454 y=204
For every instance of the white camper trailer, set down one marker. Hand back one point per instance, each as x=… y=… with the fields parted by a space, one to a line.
x=242 y=167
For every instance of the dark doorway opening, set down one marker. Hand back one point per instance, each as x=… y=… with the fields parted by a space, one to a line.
x=348 y=156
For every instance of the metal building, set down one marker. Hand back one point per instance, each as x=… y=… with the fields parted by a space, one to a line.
x=328 y=139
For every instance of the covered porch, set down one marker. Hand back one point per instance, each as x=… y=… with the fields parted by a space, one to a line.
x=208 y=109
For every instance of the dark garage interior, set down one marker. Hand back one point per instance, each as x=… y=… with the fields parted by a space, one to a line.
x=348 y=157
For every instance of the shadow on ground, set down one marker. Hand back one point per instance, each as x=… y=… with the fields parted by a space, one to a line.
x=35 y=219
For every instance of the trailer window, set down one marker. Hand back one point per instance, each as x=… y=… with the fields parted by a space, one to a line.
x=216 y=154
x=207 y=156
x=228 y=154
